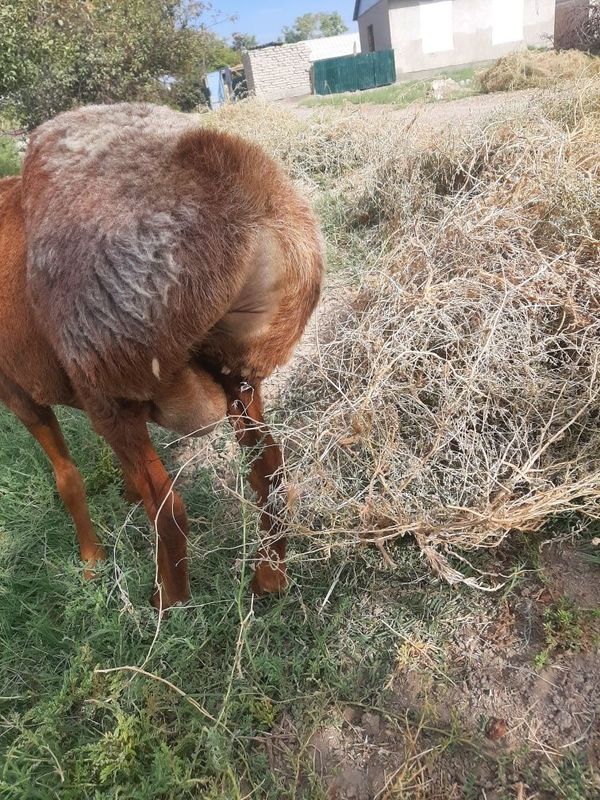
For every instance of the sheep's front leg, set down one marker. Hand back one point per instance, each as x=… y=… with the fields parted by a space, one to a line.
x=245 y=412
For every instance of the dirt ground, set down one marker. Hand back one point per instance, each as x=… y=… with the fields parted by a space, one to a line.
x=464 y=111
x=483 y=721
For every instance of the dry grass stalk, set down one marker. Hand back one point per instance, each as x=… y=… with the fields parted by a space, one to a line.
x=527 y=69
x=456 y=397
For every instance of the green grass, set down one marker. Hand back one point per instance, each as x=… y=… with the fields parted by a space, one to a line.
x=67 y=731
x=572 y=780
x=248 y=670
x=590 y=546
x=10 y=163
x=398 y=94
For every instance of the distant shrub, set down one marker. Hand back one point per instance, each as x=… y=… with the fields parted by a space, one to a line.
x=61 y=53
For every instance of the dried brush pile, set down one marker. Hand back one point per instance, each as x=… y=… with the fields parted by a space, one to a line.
x=316 y=153
x=528 y=69
x=455 y=395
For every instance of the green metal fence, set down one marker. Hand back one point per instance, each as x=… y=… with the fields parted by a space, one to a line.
x=350 y=73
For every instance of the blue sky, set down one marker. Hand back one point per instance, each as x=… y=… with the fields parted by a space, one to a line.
x=266 y=19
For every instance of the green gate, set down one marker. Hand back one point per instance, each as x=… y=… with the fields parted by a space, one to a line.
x=350 y=73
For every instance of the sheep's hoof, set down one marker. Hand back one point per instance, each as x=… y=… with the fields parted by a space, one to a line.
x=162 y=599
x=90 y=561
x=269 y=578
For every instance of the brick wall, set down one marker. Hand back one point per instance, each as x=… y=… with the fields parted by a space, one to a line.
x=284 y=70
x=273 y=73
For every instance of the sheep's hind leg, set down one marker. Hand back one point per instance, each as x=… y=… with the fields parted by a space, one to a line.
x=123 y=425
x=43 y=425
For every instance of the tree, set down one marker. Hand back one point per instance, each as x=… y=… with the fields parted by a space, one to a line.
x=58 y=53
x=305 y=27
x=312 y=26
x=211 y=52
x=208 y=53
x=332 y=24
x=243 y=41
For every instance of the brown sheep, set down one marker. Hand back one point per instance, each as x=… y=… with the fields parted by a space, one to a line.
x=152 y=270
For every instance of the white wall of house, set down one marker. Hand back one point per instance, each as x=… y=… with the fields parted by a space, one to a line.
x=333 y=46
x=434 y=34
x=377 y=15
x=281 y=71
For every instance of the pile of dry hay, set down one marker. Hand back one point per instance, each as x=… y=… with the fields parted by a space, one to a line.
x=455 y=395
x=537 y=69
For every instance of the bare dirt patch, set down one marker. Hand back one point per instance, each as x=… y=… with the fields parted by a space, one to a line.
x=480 y=720
x=570 y=573
x=435 y=115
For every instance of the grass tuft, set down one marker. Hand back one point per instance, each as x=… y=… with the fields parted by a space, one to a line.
x=10 y=163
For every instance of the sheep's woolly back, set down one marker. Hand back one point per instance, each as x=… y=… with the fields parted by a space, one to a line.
x=141 y=225
x=108 y=214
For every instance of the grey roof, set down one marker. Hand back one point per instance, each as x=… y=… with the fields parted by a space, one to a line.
x=356 y=14
x=357 y=6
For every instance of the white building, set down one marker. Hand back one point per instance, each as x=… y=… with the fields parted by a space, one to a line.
x=434 y=34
